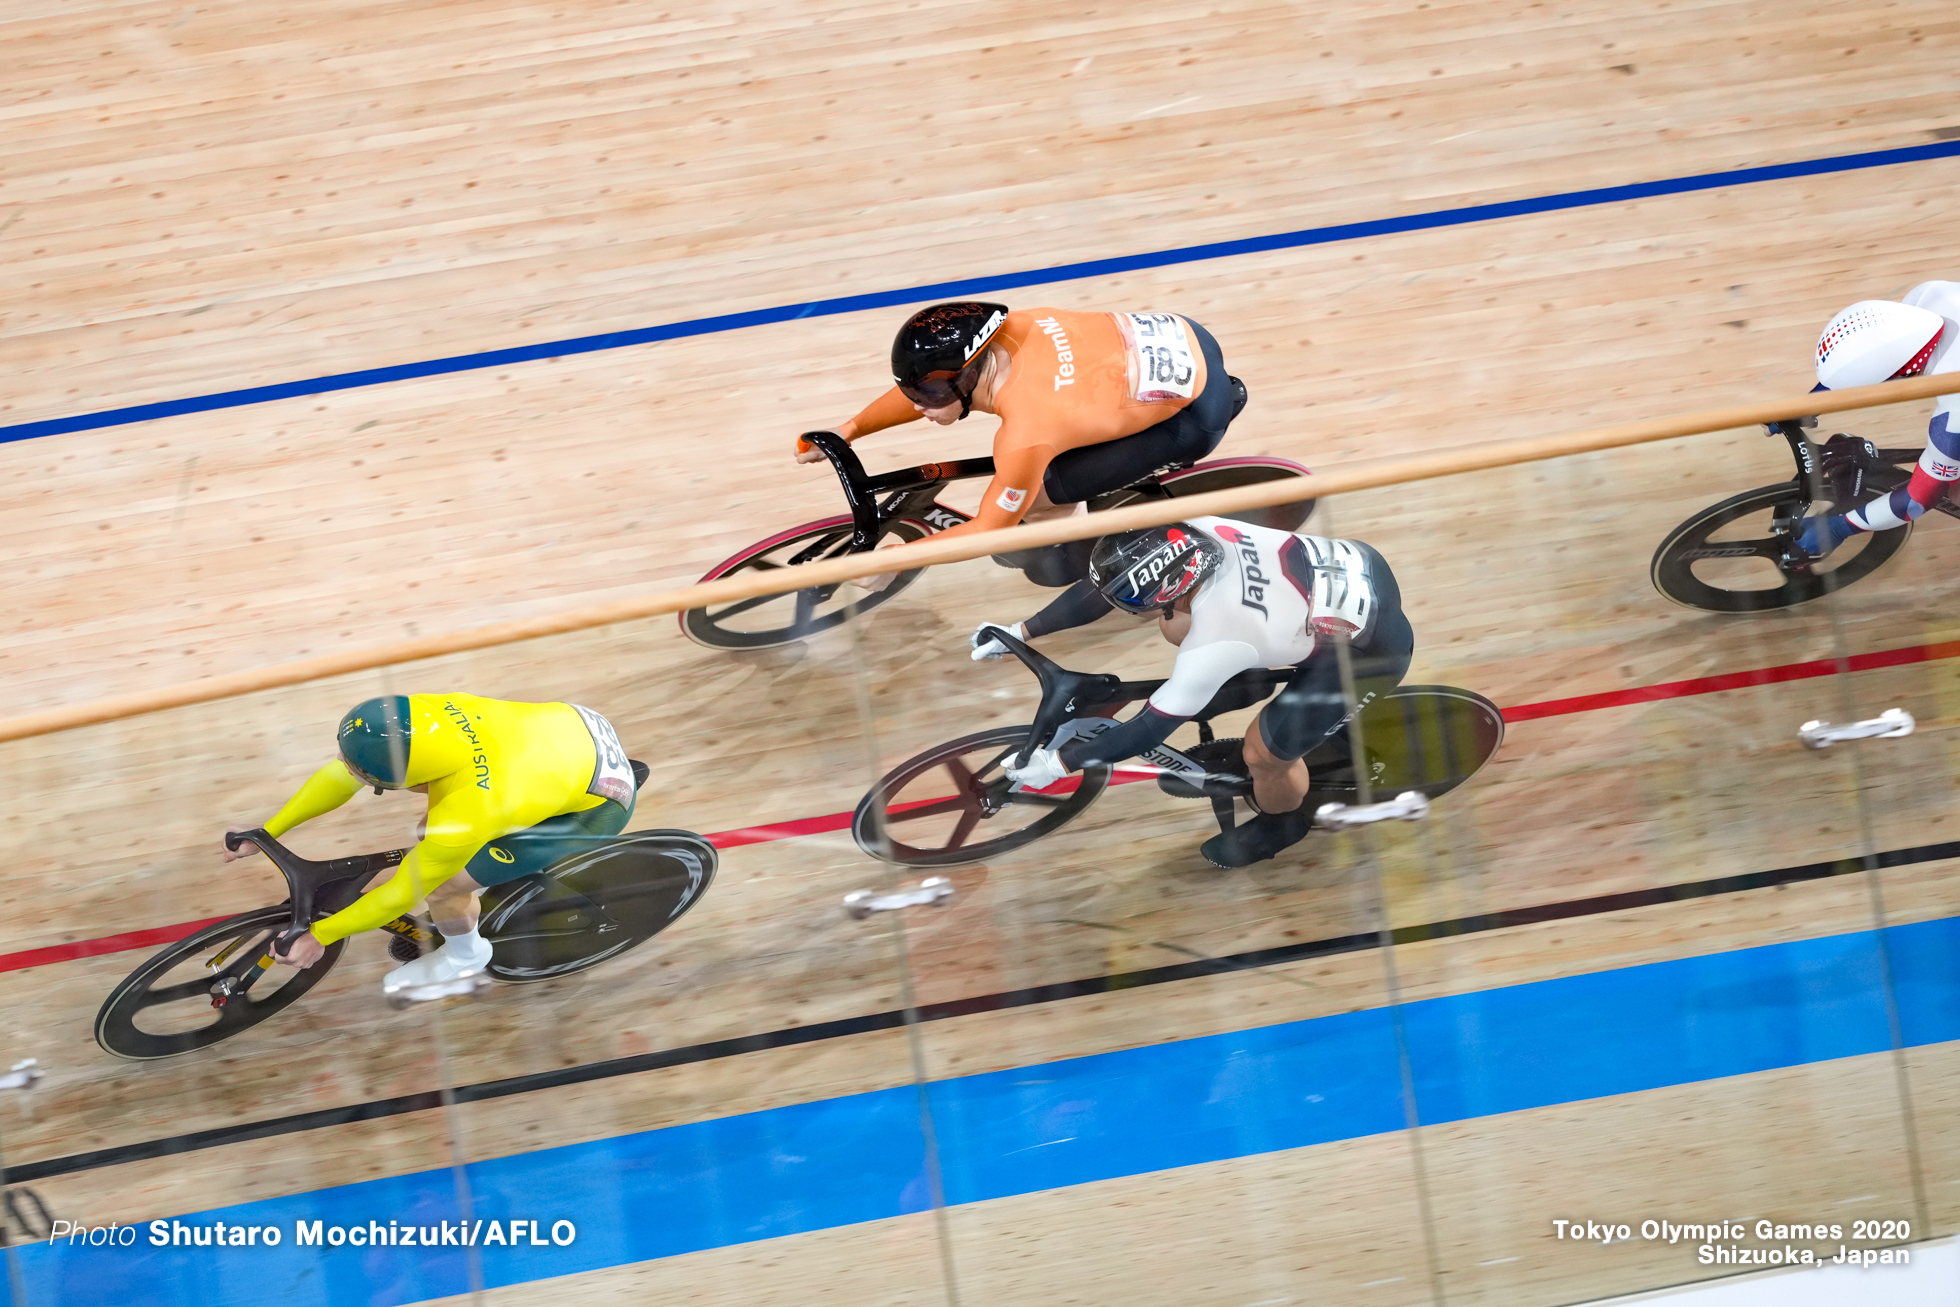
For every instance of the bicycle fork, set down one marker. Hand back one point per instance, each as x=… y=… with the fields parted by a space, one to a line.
x=234 y=980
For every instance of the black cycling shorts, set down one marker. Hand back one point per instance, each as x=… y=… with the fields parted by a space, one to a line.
x=1312 y=707
x=1179 y=440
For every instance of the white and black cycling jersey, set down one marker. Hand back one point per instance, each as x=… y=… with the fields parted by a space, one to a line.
x=1256 y=610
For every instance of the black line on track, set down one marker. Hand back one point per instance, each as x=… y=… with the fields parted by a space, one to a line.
x=959 y=1007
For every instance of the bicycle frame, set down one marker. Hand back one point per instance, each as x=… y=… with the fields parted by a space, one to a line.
x=1067 y=696
x=307 y=884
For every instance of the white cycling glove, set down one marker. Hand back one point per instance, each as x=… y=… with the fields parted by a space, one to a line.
x=985 y=646
x=1044 y=768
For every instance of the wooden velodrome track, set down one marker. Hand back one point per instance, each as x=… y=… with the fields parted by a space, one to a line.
x=202 y=200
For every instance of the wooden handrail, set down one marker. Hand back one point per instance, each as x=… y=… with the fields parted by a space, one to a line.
x=934 y=550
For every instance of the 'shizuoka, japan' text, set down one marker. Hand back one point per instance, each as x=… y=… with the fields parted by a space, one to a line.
x=1722 y=1243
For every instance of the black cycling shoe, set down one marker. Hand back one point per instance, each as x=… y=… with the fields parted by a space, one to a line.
x=1263 y=837
x=1238 y=397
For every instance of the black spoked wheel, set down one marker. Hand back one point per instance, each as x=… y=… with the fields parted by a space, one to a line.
x=165 y=1006
x=953 y=804
x=772 y=620
x=594 y=906
x=1430 y=738
x=1726 y=558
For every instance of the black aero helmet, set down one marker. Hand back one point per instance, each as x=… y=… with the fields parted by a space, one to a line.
x=374 y=740
x=937 y=356
x=1138 y=571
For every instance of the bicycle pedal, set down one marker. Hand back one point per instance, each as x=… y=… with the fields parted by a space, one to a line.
x=23 y=1074
x=933 y=891
x=468 y=985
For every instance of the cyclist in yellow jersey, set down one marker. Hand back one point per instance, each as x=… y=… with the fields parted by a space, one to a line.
x=513 y=788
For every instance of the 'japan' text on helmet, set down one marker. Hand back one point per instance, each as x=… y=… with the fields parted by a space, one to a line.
x=374 y=737
x=1874 y=341
x=1138 y=571
x=938 y=354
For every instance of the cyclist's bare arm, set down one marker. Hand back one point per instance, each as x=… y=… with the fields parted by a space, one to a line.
x=1015 y=492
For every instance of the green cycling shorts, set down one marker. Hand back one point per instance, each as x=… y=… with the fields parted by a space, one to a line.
x=535 y=848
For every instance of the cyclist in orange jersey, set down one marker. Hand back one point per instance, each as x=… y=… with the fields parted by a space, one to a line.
x=1088 y=403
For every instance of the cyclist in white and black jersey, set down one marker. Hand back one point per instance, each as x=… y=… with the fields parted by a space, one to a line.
x=1234 y=596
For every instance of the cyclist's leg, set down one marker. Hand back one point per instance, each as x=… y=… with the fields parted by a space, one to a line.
x=521 y=853
x=535 y=848
x=1312 y=707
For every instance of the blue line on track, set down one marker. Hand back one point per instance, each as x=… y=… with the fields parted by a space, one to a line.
x=976 y=286
x=843 y=1161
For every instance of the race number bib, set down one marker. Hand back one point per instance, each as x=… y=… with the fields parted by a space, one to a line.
x=612 y=775
x=1163 y=360
x=1333 y=576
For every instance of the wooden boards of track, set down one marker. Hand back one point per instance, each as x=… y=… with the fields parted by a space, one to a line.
x=215 y=199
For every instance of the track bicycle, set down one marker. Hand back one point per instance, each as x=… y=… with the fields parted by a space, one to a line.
x=1741 y=555
x=582 y=910
x=910 y=510
x=1429 y=738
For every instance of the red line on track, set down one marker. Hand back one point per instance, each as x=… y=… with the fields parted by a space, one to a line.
x=88 y=948
x=1924 y=653
x=836 y=821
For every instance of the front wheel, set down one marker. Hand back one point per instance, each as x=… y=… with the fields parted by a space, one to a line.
x=955 y=804
x=1727 y=558
x=166 y=1006
x=593 y=906
x=769 y=620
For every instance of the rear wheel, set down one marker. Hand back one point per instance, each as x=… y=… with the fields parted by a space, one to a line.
x=770 y=620
x=166 y=1006
x=954 y=804
x=1727 y=558
x=1231 y=473
x=594 y=906
x=1430 y=738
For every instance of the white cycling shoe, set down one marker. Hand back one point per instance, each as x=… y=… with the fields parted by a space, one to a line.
x=454 y=961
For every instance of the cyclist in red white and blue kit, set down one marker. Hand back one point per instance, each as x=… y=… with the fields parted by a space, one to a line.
x=1882 y=340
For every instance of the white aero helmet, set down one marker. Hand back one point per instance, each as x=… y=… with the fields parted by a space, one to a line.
x=1874 y=341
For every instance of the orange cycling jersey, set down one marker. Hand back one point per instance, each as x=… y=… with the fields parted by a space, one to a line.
x=1073 y=379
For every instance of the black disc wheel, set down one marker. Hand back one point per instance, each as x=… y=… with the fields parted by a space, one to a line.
x=771 y=620
x=166 y=1006
x=1231 y=473
x=1728 y=558
x=1430 y=738
x=594 y=906
x=955 y=804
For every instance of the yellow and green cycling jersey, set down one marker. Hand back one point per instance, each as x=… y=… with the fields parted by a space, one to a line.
x=493 y=767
